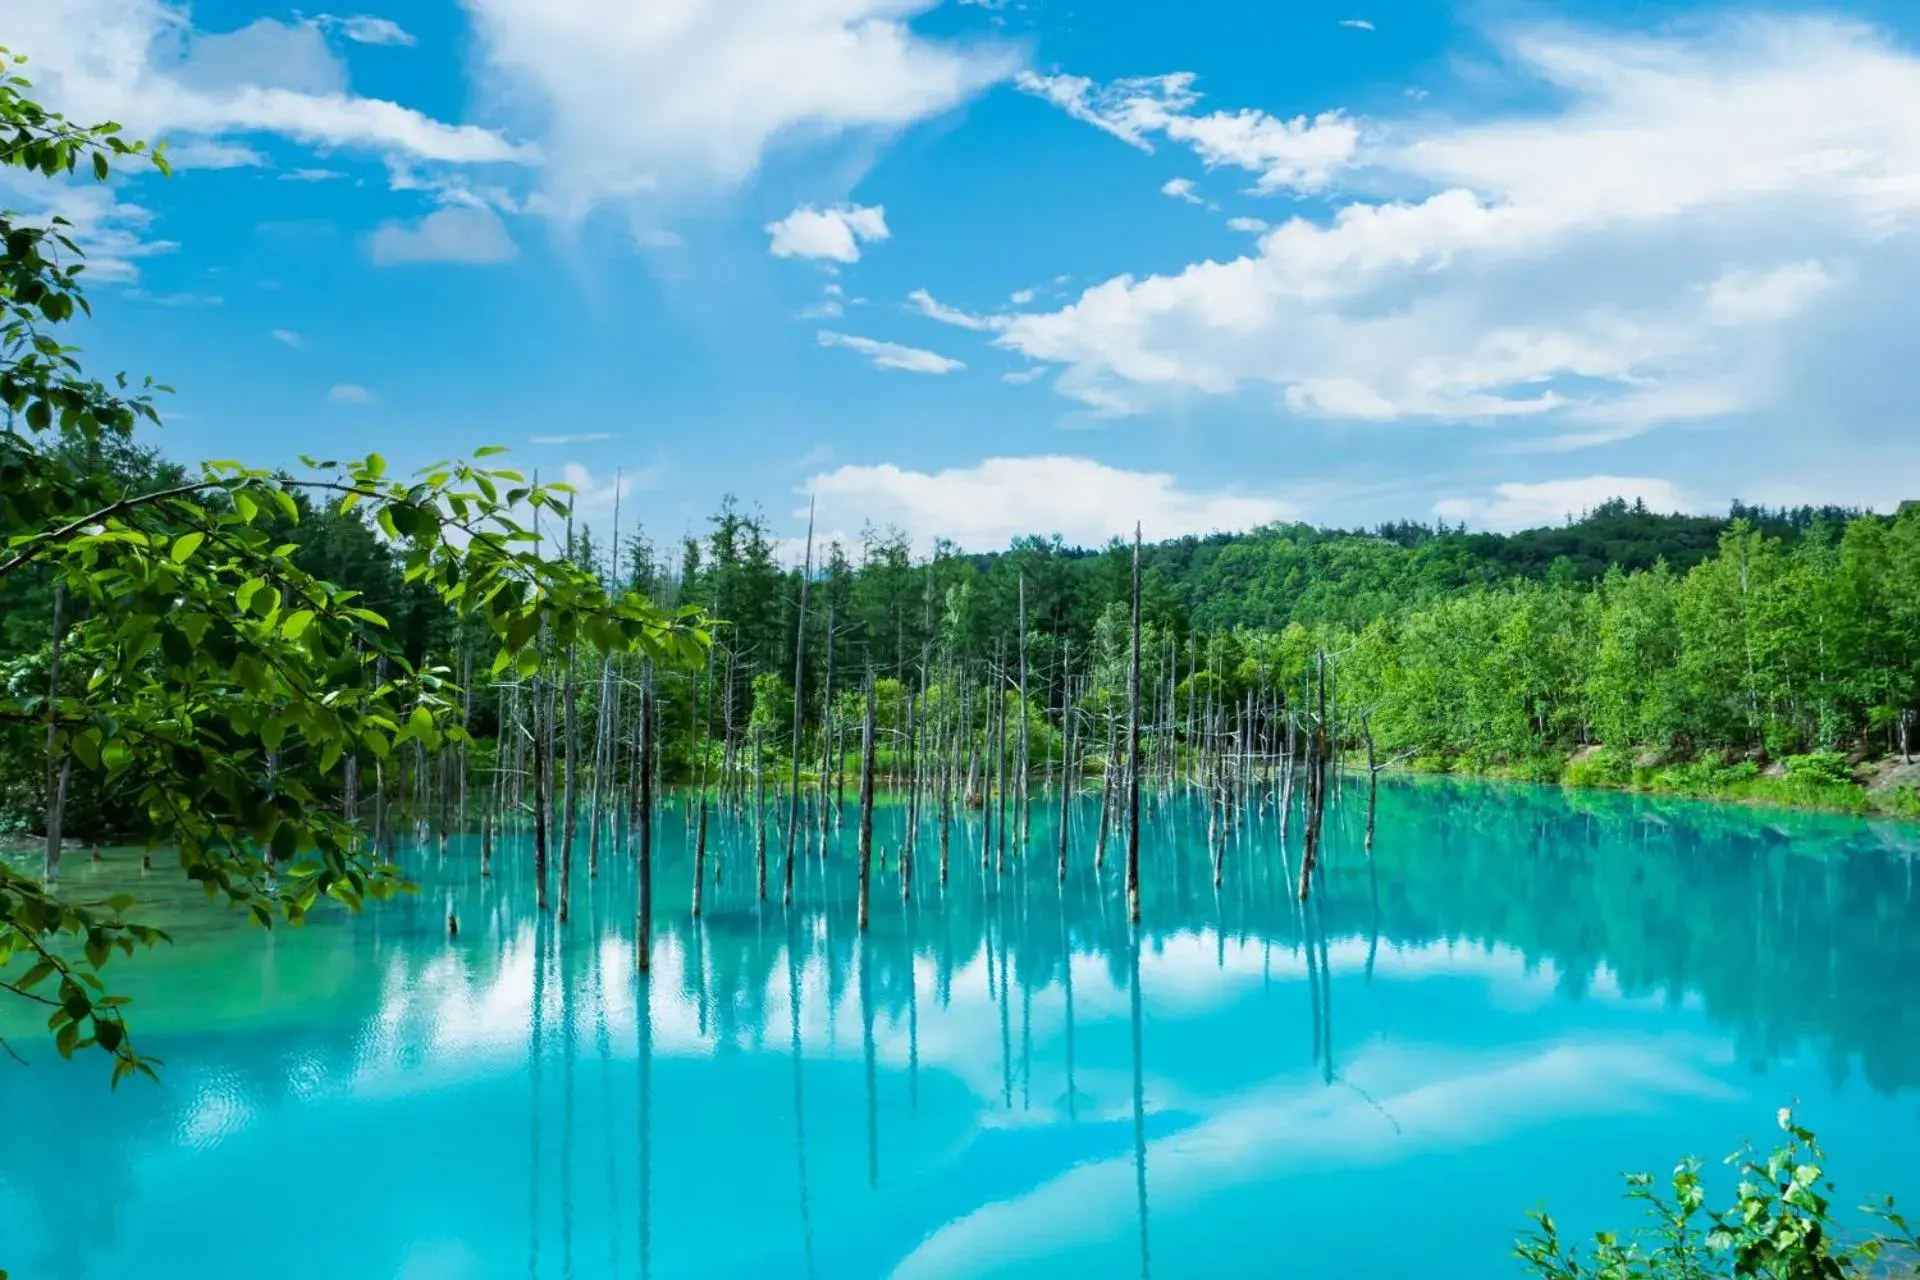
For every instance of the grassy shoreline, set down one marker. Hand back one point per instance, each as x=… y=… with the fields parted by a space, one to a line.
x=1822 y=782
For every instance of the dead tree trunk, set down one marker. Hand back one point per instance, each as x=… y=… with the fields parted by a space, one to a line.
x=799 y=711
x=1133 y=747
x=866 y=801
x=643 y=830
x=59 y=763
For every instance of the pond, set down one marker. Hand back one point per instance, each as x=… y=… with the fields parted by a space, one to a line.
x=1516 y=995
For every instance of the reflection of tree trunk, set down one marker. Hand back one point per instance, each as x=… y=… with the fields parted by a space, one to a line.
x=1373 y=931
x=1066 y=952
x=643 y=1017
x=566 y=1110
x=1006 y=1024
x=1026 y=1038
x=866 y=1042
x=536 y=1047
x=913 y=1023
x=799 y=1102
x=604 y=1044
x=1139 y=1112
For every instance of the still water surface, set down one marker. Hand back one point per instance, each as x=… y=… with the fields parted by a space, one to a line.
x=1517 y=996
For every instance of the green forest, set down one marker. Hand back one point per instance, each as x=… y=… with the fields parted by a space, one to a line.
x=1772 y=654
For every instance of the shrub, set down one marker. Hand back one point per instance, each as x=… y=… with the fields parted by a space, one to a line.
x=1780 y=1226
x=1821 y=766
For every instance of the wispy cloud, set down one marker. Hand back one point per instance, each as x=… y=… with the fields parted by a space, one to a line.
x=349 y=393
x=174 y=299
x=891 y=355
x=588 y=437
x=1358 y=24
x=289 y=337
x=925 y=304
x=365 y=29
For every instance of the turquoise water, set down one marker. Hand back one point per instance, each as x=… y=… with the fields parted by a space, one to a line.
x=1519 y=995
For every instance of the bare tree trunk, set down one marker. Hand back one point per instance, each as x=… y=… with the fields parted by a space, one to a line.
x=1133 y=747
x=799 y=710
x=539 y=799
x=1067 y=777
x=912 y=805
x=643 y=829
x=826 y=735
x=702 y=733
x=759 y=813
x=570 y=814
x=866 y=801
x=1026 y=760
x=59 y=763
x=949 y=765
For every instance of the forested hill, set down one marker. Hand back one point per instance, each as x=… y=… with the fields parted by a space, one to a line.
x=1269 y=577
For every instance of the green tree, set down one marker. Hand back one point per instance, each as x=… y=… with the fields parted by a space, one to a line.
x=226 y=681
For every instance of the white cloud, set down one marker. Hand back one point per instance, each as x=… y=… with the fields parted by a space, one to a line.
x=288 y=337
x=924 y=303
x=590 y=437
x=1358 y=24
x=1742 y=296
x=201 y=154
x=349 y=393
x=983 y=507
x=143 y=64
x=1180 y=189
x=1021 y=297
x=1021 y=377
x=364 y=29
x=311 y=175
x=826 y=309
x=1518 y=505
x=834 y=234
x=113 y=233
x=464 y=233
x=175 y=299
x=690 y=95
x=1298 y=154
x=1639 y=251
x=1256 y=226
x=891 y=355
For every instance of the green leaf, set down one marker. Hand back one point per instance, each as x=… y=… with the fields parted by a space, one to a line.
x=185 y=545
x=296 y=624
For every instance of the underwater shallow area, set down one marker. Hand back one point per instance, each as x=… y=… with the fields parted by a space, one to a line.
x=1518 y=994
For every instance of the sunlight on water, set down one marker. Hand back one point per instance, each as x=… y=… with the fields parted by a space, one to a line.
x=1518 y=995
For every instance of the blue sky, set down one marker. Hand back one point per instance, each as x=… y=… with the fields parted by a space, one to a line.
x=982 y=268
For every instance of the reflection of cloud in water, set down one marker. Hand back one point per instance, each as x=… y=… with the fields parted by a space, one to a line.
x=1247 y=1140
x=456 y=1014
